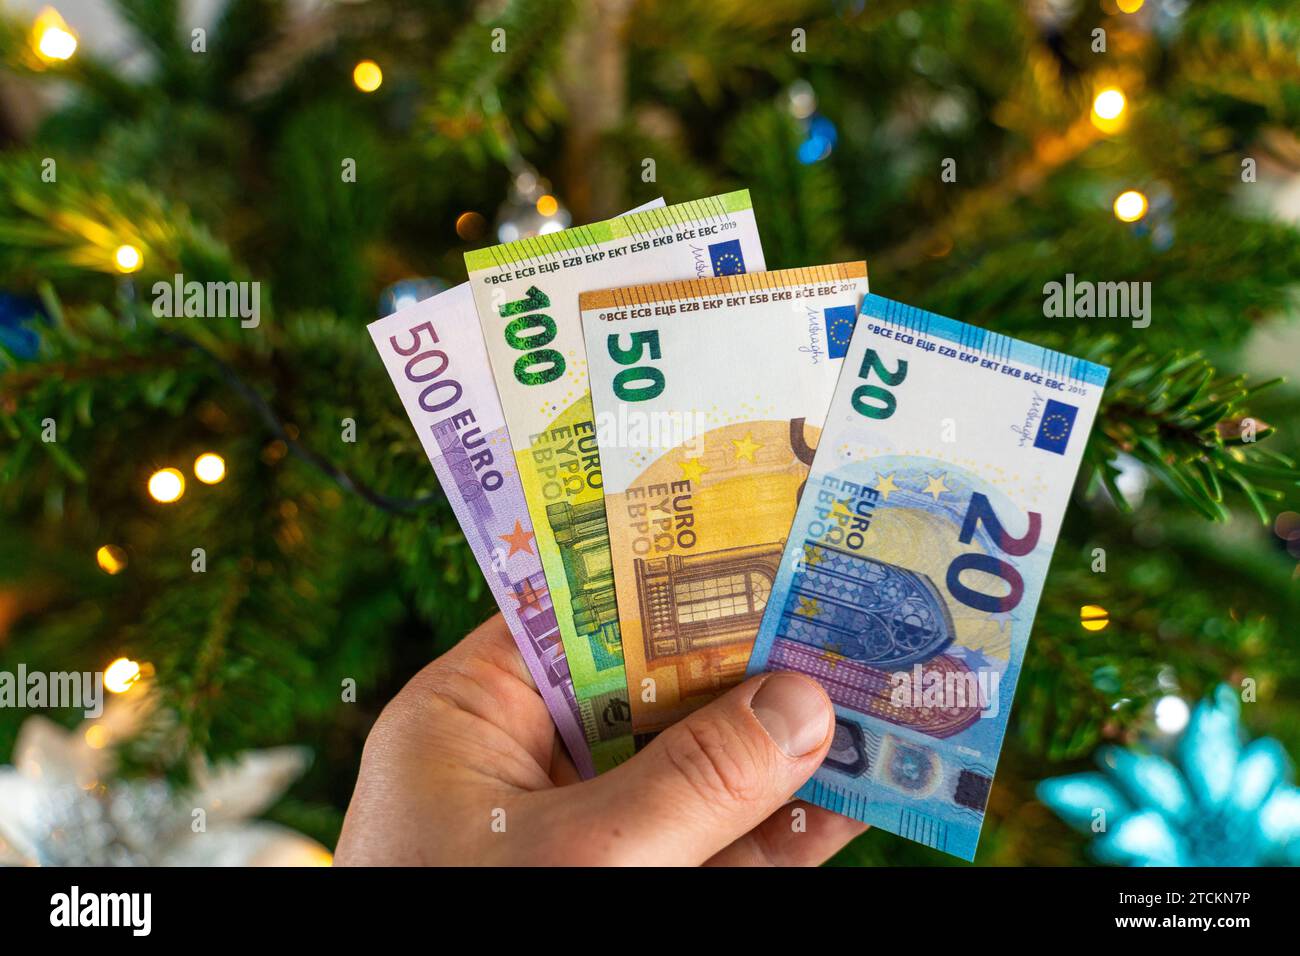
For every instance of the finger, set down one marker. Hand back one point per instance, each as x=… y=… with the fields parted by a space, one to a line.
x=710 y=778
x=492 y=642
x=799 y=834
x=485 y=703
x=563 y=769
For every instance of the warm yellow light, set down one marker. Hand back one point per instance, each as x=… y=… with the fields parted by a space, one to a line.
x=111 y=558
x=96 y=737
x=547 y=205
x=1093 y=617
x=166 y=485
x=1129 y=6
x=367 y=76
x=121 y=675
x=127 y=258
x=52 y=38
x=1130 y=206
x=470 y=225
x=209 y=468
x=1108 y=104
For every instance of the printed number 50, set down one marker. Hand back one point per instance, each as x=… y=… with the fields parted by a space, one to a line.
x=865 y=397
x=641 y=382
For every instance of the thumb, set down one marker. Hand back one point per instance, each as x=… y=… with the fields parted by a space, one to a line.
x=709 y=779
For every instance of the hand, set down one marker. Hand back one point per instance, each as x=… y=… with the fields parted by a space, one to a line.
x=468 y=744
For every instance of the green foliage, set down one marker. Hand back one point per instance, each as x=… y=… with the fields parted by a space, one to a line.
x=227 y=165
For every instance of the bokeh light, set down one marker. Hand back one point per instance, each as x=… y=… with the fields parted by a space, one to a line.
x=367 y=76
x=1130 y=206
x=209 y=468
x=166 y=485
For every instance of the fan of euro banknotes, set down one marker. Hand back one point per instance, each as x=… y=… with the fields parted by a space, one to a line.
x=677 y=469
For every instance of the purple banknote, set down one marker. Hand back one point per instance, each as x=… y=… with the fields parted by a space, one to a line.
x=434 y=353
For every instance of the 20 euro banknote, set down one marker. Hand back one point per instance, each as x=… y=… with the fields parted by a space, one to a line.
x=917 y=557
x=709 y=397
x=526 y=293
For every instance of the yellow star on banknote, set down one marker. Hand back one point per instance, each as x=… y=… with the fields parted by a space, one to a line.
x=831 y=655
x=811 y=556
x=935 y=486
x=840 y=510
x=809 y=606
x=745 y=447
x=885 y=485
x=692 y=469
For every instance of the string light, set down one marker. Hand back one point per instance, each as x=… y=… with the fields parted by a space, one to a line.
x=166 y=485
x=1130 y=206
x=1172 y=714
x=209 y=468
x=367 y=76
x=111 y=558
x=471 y=225
x=127 y=259
x=1093 y=617
x=51 y=37
x=1108 y=109
x=547 y=205
x=121 y=675
x=1129 y=6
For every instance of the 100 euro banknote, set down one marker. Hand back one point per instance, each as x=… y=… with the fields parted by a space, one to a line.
x=709 y=397
x=526 y=293
x=434 y=353
x=917 y=557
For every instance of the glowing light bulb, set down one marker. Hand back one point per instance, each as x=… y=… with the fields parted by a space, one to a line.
x=1093 y=617
x=111 y=558
x=1130 y=206
x=367 y=76
x=121 y=675
x=1172 y=714
x=166 y=485
x=1107 y=109
x=127 y=258
x=209 y=468
x=51 y=37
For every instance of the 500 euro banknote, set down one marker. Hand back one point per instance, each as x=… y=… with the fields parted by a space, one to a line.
x=917 y=557
x=434 y=353
x=526 y=293
x=709 y=397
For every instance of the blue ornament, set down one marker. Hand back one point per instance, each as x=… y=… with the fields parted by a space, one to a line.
x=20 y=318
x=408 y=292
x=1221 y=804
x=820 y=137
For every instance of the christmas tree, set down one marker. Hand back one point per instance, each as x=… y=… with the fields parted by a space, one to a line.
x=345 y=156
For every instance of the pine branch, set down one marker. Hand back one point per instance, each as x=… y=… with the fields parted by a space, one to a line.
x=1187 y=424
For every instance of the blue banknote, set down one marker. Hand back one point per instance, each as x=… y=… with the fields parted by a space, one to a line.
x=917 y=556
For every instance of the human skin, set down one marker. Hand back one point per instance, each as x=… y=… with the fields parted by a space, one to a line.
x=464 y=767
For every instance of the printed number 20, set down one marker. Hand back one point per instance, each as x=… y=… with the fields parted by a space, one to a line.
x=866 y=397
x=979 y=510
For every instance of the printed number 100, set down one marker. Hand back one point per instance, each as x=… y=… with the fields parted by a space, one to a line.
x=530 y=331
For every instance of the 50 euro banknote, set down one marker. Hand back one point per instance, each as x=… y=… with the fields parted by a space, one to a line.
x=917 y=557
x=709 y=397
x=526 y=293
